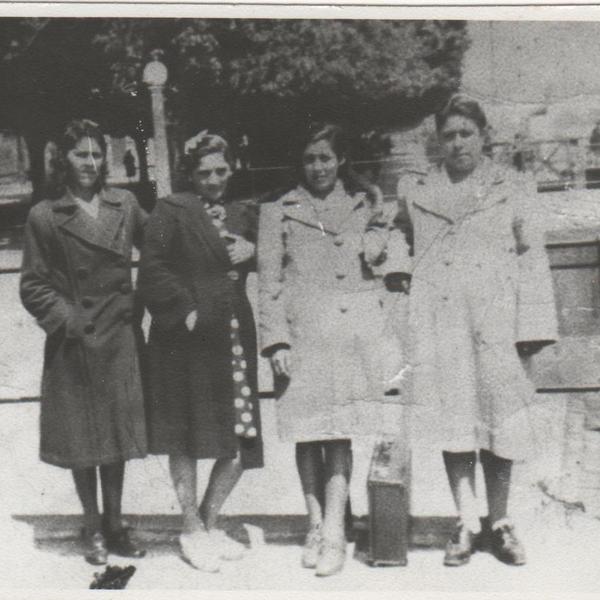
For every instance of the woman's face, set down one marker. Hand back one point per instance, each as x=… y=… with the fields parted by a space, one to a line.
x=320 y=164
x=85 y=161
x=211 y=176
x=462 y=145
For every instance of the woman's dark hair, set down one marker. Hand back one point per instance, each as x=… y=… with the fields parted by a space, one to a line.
x=318 y=131
x=75 y=131
x=209 y=143
x=462 y=106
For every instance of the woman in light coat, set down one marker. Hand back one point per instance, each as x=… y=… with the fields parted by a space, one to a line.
x=321 y=324
x=481 y=293
x=76 y=281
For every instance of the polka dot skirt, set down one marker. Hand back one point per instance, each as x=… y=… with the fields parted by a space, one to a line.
x=244 y=421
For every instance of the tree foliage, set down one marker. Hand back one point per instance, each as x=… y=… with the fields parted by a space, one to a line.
x=266 y=77
x=256 y=76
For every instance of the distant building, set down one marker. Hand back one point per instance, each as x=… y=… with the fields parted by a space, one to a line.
x=539 y=79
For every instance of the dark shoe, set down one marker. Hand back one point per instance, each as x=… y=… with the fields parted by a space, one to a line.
x=460 y=547
x=505 y=545
x=95 y=551
x=120 y=543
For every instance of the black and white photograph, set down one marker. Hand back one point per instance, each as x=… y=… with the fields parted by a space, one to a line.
x=299 y=303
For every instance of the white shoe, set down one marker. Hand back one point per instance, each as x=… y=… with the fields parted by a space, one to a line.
x=226 y=547
x=199 y=550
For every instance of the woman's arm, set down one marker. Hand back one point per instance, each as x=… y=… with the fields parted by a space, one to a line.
x=272 y=321
x=159 y=284
x=386 y=242
x=38 y=295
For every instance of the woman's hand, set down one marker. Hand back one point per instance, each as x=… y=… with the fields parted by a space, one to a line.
x=281 y=362
x=190 y=320
x=240 y=249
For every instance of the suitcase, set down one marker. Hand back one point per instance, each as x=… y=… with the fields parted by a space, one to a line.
x=388 y=489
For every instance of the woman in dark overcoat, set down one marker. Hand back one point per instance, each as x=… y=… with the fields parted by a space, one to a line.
x=76 y=281
x=202 y=400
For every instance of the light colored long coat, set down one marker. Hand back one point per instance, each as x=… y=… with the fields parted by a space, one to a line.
x=76 y=281
x=317 y=297
x=481 y=283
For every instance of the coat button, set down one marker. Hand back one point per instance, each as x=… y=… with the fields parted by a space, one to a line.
x=87 y=302
x=447 y=262
x=338 y=241
x=343 y=308
x=125 y=288
x=89 y=328
x=340 y=275
x=233 y=275
x=127 y=316
x=81 y=272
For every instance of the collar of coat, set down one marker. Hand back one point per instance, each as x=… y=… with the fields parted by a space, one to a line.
x=433 y=187
x=200 y=222
x=106 y=232
x=330 y=215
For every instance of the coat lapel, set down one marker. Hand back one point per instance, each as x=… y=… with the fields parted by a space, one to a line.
x=301 y=207
x=200 y=223
x=438 y=194
x=106 y=233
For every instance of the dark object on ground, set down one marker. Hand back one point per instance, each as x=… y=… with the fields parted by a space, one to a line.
x=389 y=503
x=113 y=578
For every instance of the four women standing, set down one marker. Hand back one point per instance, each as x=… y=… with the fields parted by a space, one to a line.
x=322 y=327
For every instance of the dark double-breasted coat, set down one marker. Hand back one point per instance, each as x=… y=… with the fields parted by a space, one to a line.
x=185 y=266
x=76 y=281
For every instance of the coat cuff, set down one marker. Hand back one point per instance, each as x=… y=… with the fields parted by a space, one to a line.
x=272 y=342
x=537 y=322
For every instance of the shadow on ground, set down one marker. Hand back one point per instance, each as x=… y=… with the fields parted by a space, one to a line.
x=61 y=534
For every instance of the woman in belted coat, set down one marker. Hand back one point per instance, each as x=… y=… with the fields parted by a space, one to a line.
x=202 y=401
x=76 y=281
x=321 y=323
x=481 y=293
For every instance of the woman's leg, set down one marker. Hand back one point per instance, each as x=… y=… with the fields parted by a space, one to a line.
x=505 y=544
x=184 y=477
x=94 y=542
x=338 y=467
x=86 y=486
x=195 y=543
x=118 y=538
x=311 y=469
x=225 y=474
x=111 y=477
x=460 y=469
x=497 y=472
